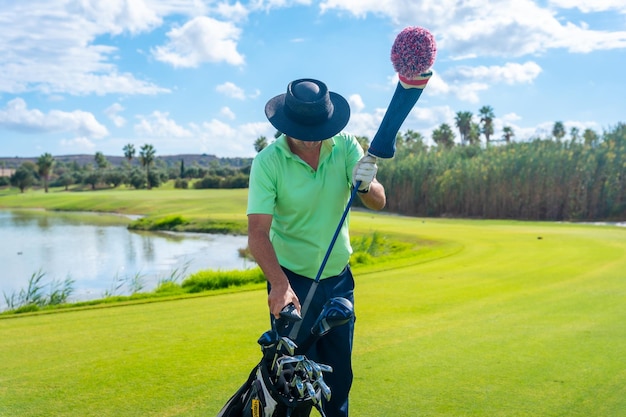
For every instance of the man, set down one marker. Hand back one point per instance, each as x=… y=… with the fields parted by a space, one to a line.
x=299 y=187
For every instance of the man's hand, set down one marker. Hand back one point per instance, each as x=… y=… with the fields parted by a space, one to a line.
x=279 y=297
x=365 y=171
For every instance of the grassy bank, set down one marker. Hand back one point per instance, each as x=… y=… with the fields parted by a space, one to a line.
x=209 y=211
x=200 y=210
x=490 y=318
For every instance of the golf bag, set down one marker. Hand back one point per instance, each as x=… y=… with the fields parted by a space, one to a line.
x=258 y=397
x=284 y=383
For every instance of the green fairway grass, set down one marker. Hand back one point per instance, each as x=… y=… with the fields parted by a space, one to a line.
x=193 y=204
x=490 y=318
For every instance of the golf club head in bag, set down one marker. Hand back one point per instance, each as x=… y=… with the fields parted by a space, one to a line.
x=281 y=385
x=336 y=312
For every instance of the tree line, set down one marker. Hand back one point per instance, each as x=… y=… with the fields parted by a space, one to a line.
x=582 y=177
x=139 y=170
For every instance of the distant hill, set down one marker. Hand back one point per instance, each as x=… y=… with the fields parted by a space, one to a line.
x=203 y=160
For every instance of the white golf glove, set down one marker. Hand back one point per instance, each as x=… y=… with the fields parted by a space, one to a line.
x=365 y=171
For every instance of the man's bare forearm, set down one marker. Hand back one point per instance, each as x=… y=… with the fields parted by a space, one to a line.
x=375 y=198
x=265 y=256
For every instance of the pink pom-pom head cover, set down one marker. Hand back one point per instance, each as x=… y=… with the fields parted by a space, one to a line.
x=413 y=53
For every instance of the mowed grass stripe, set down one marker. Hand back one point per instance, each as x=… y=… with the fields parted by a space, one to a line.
x=520 y=330
x=126 y=361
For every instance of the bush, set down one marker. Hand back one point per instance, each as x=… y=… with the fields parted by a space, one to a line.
x=214 y=280
x=236 y=181
x=168 y=287
x=209 y=181
x=114 y=178
x=171 y=222
x=137 y=179
x=181 y=183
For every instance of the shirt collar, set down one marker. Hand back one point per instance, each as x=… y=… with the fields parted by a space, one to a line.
x=327 y=146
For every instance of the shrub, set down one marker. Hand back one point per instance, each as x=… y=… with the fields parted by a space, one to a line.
x=214 y=280
x=209 y=181
x=181 y=183
x=168 y=287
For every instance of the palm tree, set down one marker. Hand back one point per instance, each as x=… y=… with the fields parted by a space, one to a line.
x=558 y=131
x=474 y=134
x=413 y=141
x=260 y=143
x=44 y=167
x=464 y=124
x=486 y=118
x=574 y=132
x=590 y=137
x=129 y=152
x=443 y=136
x=146 y=154
x=507 y=133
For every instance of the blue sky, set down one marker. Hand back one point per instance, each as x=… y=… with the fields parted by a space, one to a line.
x=193 y=76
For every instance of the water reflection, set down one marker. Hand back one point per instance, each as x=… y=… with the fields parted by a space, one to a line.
x=96 y=251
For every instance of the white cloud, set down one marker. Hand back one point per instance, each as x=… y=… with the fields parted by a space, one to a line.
x=227 y=113
x=200 y=40
x=356 y=103
x=255 y=94
x=80 y=144
x=16 y=116
x=266 y=5
x=510 y=73
x=117 y=16
x=233 y=12
x=364 y=124
x=587 y=6
x=511 y=117
x=222 y=139
x=50 y=47
x=508 y=28
x=159 y=125
x=112 y=113
x=430 y=116
x=420 y=119
x=467 y=82
x=436 y=85
x=231 y=90
x=469 y=91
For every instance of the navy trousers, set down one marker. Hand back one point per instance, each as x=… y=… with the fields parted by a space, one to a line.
x=335 y=347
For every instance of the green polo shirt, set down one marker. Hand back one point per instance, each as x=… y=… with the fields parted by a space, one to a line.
x=306 y=204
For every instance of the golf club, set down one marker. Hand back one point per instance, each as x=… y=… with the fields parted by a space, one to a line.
x=337 y=311
x=324 y=388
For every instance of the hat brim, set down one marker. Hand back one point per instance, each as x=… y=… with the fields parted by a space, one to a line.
x=275 y=112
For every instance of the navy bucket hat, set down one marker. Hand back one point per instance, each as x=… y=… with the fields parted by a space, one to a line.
x=308 y=111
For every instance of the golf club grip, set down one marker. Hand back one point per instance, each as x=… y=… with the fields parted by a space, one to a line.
x=384 y=143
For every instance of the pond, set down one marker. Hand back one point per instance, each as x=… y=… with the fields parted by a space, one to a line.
x=101 y=255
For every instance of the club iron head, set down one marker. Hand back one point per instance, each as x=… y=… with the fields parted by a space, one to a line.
x=284 y=360
x=324 y=388
x=288 y=344
x=298 y=385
